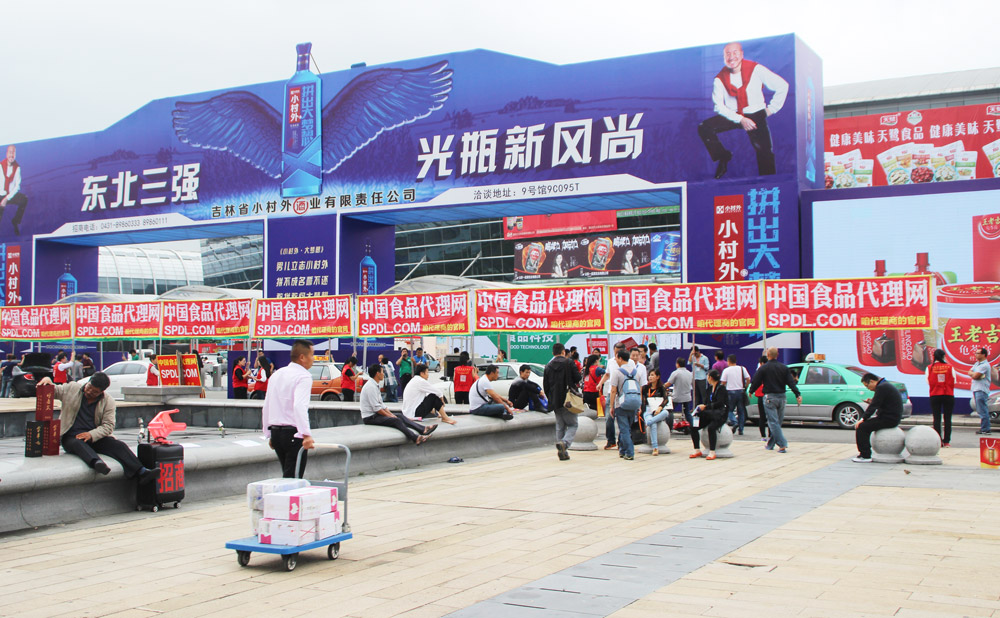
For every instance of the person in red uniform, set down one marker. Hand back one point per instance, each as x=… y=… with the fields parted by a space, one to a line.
x=348 y=379
x=240 y=378
x=152 y=372
x=941 y=379
x=464 y=378
x=260 y=373
x=592 y=372
x=59 y=369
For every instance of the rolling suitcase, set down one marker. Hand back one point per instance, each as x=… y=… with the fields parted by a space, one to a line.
x=170 y=486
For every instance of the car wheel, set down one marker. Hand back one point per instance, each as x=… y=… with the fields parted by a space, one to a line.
x=331 y=397
x=847 y=415
x=994 y=416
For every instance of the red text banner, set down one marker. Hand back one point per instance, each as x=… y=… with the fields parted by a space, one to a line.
x=572 y=309
x=729 y=238
x=314 y=316
x=391 y=315
x=36 y=322
x=848 y=304
x=170 y=374
x=117 y=320
x=696 y=307
x=207 y=318
x=532 y=226
x=12 y=275
x=191 y=375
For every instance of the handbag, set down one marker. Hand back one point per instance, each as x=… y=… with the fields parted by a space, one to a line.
x=574 y=401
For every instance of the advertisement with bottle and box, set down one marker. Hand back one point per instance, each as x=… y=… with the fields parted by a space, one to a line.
x=955 y=238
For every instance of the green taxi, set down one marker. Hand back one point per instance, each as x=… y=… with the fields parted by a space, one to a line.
x=830 y=392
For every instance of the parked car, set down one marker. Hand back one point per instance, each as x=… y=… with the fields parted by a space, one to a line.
x=830 y=392
x=123 y=373
x=433 y=364
x=326 y=381
x=36 y=365
x=992 y=404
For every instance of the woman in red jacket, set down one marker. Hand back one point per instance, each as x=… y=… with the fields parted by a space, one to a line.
x=591 y=378
x=941 y=379
x=348 y=379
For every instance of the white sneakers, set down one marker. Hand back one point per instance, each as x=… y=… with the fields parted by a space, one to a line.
x=860 y=459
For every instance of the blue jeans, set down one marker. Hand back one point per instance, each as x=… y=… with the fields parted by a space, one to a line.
x=982 y=409
x=5 y=387
x=625 y=418
x=684 y=407
x=609 y=424
x=651 y=422
x=496 y=410
x=774 y=407
x=736 y=403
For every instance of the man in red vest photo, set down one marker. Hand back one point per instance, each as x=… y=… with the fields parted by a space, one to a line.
x=10 y=190
x=738 y=97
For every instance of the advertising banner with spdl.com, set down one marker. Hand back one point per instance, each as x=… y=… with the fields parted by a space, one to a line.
x=36 y=322
x=207 y=319
x=562 y=309
x=692 y=308
x=117 y=320
x=315 y=316
x=385 y=315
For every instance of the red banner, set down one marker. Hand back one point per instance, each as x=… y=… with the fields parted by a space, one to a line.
x=574 y=309
x=729 y=238
x=694 y=307
x=170 y=375
x=36 y=322
x=12 y=276
x=389 y=315
x=201 y=319
x=559 y=224
x=848 y=304
x=314 y=316
x=191 y=375
x=918 y=146
x=600 y=344
x=117 y=320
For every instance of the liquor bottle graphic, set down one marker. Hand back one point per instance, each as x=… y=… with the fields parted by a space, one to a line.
x=876 y=347
x=66 y=284
x=914 y=346
x=368 y=277
x=301 y=130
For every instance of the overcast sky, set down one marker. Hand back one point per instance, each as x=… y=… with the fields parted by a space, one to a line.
x=75 y=67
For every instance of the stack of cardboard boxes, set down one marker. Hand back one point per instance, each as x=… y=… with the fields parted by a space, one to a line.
x=290 y=512
x=42 y=434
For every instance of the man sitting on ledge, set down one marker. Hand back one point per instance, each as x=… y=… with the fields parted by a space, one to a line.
x=421 y=399
x=885 y=410
x=374 y=412
x=88 y=419
x=482 y=393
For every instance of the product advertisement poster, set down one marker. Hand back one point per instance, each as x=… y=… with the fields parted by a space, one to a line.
x=117 y=320
x=570 y=309
x=613 y=254
x=952 y=238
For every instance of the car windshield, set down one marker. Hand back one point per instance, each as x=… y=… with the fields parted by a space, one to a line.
x=538 y=370
x=857 y=370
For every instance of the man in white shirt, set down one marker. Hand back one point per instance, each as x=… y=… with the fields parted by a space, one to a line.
x=638 y=363
x=10 y=187
x=738 y=97
x=482 y=394
x=286 y=409
x=735 y=378
x=421 y=399
x=374 y=412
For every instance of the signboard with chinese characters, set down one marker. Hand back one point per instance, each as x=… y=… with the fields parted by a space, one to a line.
x=207 y=319
x=11 y=275
x=191 y=374
x=392 y=315
x=38 y=322
x=848 y=304
x=170 y=373
x=563 y=309
x=584 y=257
x=696 y=307
x=559 y=224
x=313 y=317
x=913 y=147
x=729 y=238
x=116 y=320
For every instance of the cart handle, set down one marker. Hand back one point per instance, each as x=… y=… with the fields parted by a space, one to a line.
x=343 y=447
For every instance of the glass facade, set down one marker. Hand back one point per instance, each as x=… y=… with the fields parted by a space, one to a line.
x=132 y=269
x=449 y=246
x=236 y=262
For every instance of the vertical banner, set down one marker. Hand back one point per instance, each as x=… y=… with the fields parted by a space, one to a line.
x=316 y=316
x=575 y=309
x=391 y=315
x=729 y=238
x=198 y=319
x=12 y=275
x=170 y=374
x=695 y=307
x=117 y=320
x=191 y=375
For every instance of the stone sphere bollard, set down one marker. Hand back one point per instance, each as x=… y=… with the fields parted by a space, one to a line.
x=662 y=438
x=586 y=431
x=922 y=446
x=887 y=445
x=724 y=441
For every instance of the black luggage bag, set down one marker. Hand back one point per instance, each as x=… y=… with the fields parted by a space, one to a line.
x=170 y=486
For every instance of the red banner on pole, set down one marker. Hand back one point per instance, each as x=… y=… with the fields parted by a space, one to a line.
x=170 y=373
x=694 y=307
x=848 y=304
x=314 y=316
x=729 y=238
x=573 y=309
x=390 y=315
x=36 y=322
x=213 y=319
x=116 y=320
x=12 y=276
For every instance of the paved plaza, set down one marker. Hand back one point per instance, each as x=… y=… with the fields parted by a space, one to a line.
x=763 y=534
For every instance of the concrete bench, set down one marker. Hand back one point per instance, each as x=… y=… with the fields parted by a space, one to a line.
x=54 y=490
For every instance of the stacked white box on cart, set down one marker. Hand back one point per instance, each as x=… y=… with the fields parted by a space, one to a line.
x=258 y=489
x=299 y=516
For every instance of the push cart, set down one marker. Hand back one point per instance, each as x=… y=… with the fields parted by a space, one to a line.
x=290 y=553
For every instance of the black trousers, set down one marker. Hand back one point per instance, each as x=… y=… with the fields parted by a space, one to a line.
x=429 y=406
x=410 y=428
x=700 y=392
x=404 y=379
x=943 y=404
x=21 y=201
x=287 y=447
x=115 y=449
x=462 y=397
x=526 y=398
x=761 y=418
x=347 y=395
x=258 y=394
x=590 y=400
x=760 y=139
x=713 y=420
x=863 y=434
x=239 y=392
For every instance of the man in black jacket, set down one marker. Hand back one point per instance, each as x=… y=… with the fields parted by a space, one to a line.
x=775 y=376
x=560 y=375
x=885 y=410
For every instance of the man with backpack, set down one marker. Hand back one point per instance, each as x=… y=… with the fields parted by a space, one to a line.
x=626 y=399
